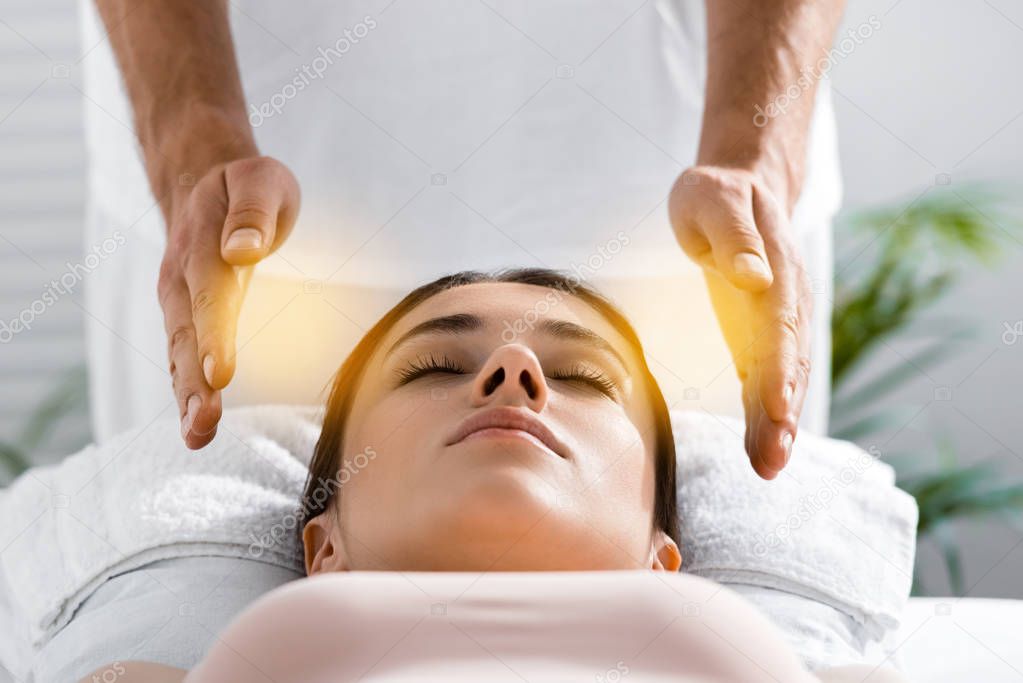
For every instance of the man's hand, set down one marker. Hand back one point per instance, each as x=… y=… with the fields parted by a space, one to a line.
x=730 y=222
x=731 y=211
x=180 y=71
x=234 y=216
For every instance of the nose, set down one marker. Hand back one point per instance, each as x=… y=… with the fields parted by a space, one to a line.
x=511 y=376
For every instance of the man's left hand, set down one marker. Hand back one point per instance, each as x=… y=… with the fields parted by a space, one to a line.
x=731 y=222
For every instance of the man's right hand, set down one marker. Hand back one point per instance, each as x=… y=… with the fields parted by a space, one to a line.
x=234 y=216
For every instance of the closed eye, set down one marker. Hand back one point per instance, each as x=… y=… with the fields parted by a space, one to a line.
x=421 y=366
x=588 y=376
x=594 y=378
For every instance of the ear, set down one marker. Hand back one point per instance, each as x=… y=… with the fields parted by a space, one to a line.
x=321 y=538
x=664 y=553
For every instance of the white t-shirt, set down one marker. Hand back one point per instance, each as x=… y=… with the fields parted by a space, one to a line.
x=429 y=138
x=549 y=627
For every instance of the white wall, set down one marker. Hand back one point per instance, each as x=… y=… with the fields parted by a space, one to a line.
x=41 y=194
x=937 y=90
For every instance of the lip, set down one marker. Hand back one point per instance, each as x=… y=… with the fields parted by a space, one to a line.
x=510 y=418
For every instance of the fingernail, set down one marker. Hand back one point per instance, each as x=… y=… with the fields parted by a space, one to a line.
x=750 y=265
x=192 y=409
x=208 y=366
x=245 y=238
x=786 y=443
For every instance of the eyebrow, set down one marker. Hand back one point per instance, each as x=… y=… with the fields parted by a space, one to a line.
x=469 y=322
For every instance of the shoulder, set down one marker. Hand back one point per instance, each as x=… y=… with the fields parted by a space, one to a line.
x=291 y=633
x=711 y=628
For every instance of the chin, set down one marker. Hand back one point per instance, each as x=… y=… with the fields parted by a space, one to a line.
x=477 y=515
x=508 y=496
x=510 y=520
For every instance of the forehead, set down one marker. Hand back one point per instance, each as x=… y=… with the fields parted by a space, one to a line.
x=509 y=307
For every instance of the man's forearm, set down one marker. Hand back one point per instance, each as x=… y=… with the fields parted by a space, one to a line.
x=180 y=71
x=756 y=51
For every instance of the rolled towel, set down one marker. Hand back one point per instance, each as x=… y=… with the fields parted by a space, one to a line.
x=832 y=528
x=143 y=496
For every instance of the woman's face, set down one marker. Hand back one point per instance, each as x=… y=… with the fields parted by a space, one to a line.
x=523 y=359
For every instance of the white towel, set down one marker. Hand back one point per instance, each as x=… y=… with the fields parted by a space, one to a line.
x=143 y=496
x=831 y=528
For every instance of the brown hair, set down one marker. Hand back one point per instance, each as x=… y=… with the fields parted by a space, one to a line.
x=324 y=464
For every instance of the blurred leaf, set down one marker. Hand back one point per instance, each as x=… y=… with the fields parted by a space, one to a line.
x=892 y=378
x=968 y=491
x=974 y=491
x=949 y=547
x=13 y=458
x=918 y=586
x=959 y=227
x=905 y=259
x=895 y=417
x=70 y=394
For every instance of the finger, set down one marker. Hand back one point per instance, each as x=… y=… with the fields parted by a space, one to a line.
x=694 y=244
x=775 y=438
x=747 y=409
x=713 y=211
x=199 y=406
x=773 y=445
x=735 y=316
x=755 y=419
x=738 y=248
x=687 y=231
x=761 y=441
x=263 y=200
x=782 y=324
x=780 y=349
x=215 y=297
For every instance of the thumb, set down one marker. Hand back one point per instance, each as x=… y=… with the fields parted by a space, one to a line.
x=262 y=203
x=739 y=252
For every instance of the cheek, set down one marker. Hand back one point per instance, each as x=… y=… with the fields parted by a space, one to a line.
x=383 y=452
x=617 y=468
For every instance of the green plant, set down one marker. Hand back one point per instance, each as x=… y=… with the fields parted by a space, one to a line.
x=69 y=395
x=955 y=492
x=904 y=260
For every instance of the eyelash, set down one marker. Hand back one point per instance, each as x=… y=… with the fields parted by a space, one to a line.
x=419 y=367
x=594 y=378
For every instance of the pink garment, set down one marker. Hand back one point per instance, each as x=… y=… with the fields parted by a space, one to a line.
x=601 y=626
